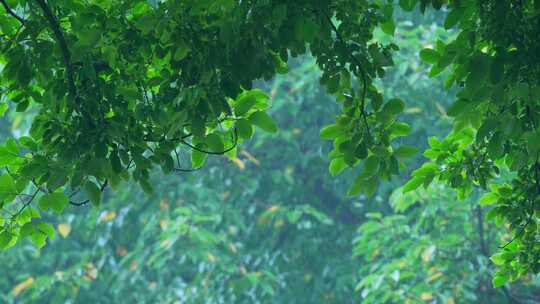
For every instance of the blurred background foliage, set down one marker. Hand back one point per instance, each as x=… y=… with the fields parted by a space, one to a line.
x=273 y=225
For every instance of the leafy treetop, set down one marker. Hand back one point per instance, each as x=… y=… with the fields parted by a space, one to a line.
x=124 y=86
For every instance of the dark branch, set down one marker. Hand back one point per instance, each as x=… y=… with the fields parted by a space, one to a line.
x=363 y=74
x=85 y=202
x=235 y=139
x=520 y=232
x=178 y=167
x=12 y=13
x=59 y=35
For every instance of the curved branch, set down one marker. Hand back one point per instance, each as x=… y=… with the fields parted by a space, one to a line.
x=12 y=13
x=179 y=167
x=235 y=139
x=59 y=35
x=85 y=202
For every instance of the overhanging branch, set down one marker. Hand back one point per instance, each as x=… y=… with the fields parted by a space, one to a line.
x=12 y=13
x=59 y=35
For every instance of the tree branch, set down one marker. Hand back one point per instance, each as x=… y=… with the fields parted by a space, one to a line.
x=363 y=74
x=59 y=35
x=12 y=13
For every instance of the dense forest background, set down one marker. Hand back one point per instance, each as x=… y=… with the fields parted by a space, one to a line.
x=273 y=225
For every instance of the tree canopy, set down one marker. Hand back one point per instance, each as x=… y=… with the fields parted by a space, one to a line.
x=121 y=87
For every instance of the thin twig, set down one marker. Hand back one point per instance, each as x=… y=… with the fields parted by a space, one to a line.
x=235 y=139
x=520 y=232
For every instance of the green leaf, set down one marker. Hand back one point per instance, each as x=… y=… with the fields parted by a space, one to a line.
x=264 y=121
x=499 y=280
x=371 y=166
x=331 y=132
x=363 y=185
x=427 y=169
x=215 y=143
x=480 y=69
x=405 y=151
x=3 y=108
x=356 y=188
x=400 y=129
x=453 y=18
x=6 y=157
x=407 y=5
x=198 y=158
x=337 y=166
x=55 y=201
x=8 y=190
x=28 y=143
x=5 y=239
x=243 y=105
x=388 y=27
x=430 y=56
x=22 y=106
x=181 y=52
x=244 y=128
x=394 y=106
x=46 y=229
x=489 y=199
x=197 y=126
x=413 y=184
x=255 y=98
x=93 y=192
x=498 y=259
x=12 y=146
x=280 y=64
x=294 y=216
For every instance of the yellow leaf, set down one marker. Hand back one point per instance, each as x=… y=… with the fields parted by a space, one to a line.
x=232 y=248
x=240 y=164
x=164 y=224
x=121 y=251
x=426 y=296
x=450 y=301
x=250 y=157
x=225 y=195
x=296 y=131
x=167 y=243
x=64 y=229
x=428 y=253
x=107 y=216
x=413 y=110
x=133 y=266
x=273 y=209
x=434 y=277
x=164 y=204
x=211 y=257
x=91 y=272
x=441 y=109
x=152 y=285
x=22 y=286
x=375 y=254
x=59 y=275
x=242 y=270
x=279 y=223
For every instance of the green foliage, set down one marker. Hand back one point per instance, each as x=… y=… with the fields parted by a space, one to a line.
x=419 y=253
x=123 y=87
x=252 y=230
